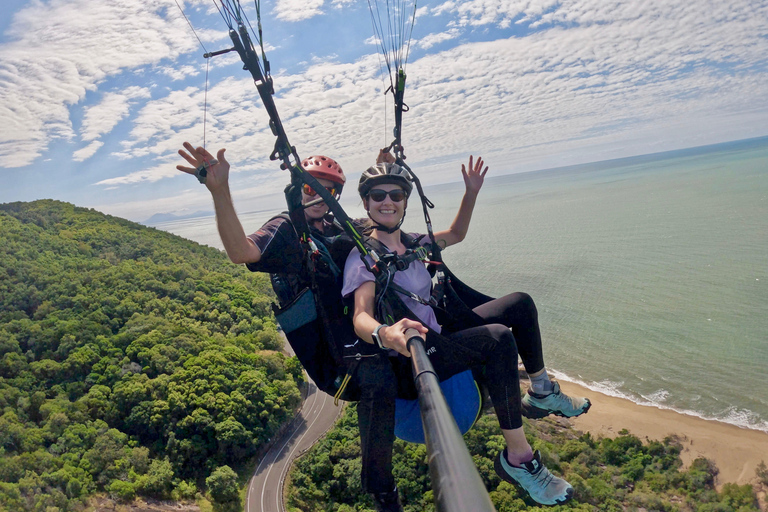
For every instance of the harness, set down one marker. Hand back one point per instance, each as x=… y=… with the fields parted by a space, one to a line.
x=450 y=300
x=319 y=323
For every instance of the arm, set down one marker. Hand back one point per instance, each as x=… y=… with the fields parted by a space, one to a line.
x=240 y=249
x=473 y=182
x=392 y=336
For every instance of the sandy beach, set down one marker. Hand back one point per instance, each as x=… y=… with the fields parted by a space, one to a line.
x=735 y=451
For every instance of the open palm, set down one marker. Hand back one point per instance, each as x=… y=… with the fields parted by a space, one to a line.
x=218 y=168
x=474 y=177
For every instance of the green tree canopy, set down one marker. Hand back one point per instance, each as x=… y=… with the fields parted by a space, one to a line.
x=132 y=361
x=622 y=473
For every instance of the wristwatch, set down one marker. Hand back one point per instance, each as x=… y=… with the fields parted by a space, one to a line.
x=376 y=338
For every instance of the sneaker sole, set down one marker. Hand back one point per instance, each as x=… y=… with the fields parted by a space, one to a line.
x=504 y=476
x=536 y=413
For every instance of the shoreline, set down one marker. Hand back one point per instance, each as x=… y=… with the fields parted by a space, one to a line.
x=736 y=451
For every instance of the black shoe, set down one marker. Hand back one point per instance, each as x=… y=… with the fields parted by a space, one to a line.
x=387 y=501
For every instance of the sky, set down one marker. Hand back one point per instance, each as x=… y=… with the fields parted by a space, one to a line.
x=97 y=97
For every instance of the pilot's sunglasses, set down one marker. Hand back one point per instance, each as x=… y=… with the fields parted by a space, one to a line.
x=379 y=195
x=311 y=192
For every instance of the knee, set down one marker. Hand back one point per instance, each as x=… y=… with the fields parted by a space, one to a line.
x=527 y=301
x=526 y=304
x=506 y=341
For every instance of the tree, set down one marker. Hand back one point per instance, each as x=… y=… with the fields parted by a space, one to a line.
x=223 y=486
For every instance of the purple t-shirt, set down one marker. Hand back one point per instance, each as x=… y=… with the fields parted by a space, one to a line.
x=415 y=279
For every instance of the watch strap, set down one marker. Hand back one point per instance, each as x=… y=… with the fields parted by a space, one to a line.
x=376 y=338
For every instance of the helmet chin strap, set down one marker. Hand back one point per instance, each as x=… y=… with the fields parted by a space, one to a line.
x=379 y=227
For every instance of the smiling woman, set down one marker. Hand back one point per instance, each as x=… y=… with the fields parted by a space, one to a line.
x=394 y=294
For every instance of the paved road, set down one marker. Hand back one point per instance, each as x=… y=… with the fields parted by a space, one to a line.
x=265 y=490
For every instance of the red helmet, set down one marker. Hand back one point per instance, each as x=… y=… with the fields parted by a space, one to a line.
x=322 y=167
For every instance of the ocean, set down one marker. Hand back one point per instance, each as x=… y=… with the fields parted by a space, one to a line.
x=650 y=273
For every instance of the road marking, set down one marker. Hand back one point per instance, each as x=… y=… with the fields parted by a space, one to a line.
x=266 y=477
x=279 y=496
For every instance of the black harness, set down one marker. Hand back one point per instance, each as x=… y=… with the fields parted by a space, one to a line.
x=331 y=326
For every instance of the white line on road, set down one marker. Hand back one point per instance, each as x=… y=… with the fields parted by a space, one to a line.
x=266 y=477
x=279 y=495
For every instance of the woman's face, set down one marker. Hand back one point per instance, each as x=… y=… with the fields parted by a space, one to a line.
x=386 y=212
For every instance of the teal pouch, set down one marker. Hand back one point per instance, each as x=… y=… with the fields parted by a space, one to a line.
x=298 y=313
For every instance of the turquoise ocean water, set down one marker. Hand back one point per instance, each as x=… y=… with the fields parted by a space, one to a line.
x=650 y=273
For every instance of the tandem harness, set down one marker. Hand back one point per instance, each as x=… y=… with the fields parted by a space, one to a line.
x=314 y=320
x=449 y=300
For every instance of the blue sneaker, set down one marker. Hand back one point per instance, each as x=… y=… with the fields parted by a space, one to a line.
x=541 y=485
x=537 y=406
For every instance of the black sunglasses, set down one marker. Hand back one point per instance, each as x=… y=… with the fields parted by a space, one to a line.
x=311 y=192
x=379 y=195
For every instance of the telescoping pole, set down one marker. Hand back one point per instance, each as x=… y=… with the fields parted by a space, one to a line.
x=456 y=484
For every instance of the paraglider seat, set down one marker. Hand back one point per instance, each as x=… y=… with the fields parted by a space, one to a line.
x=463 y=397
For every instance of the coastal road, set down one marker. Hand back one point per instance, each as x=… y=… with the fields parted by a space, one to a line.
x=265 y=490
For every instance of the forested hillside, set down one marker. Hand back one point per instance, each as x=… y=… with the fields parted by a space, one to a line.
x=621 y=474
x=132 y=362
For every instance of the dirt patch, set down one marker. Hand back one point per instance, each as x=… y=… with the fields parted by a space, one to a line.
x=99 y=504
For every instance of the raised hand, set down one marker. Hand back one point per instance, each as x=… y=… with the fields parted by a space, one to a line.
x=385 y=156
x=217 y=168
x=474 y=177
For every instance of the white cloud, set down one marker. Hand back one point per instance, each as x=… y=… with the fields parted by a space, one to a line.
x=166 y=169
x=498 y=12
x=431 y=40
x=422 y=11
x=87 y=152
x=114 y=106
x=443 y=8
x=593 y=80
x=176 y=73
x=551 y=92
x=297 y=10
x=62 y=49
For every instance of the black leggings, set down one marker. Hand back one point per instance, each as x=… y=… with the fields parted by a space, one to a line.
x=518 y=312
x=492 y=346
x=492 y=349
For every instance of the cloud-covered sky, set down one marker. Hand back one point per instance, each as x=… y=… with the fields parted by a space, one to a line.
x=96 y=97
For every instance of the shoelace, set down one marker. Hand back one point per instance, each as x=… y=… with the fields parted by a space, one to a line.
x=544 y=476
x=561 y=397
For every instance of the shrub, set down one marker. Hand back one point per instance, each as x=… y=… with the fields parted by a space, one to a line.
x=762 y=473
x=122 y=491
x=184 y=491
